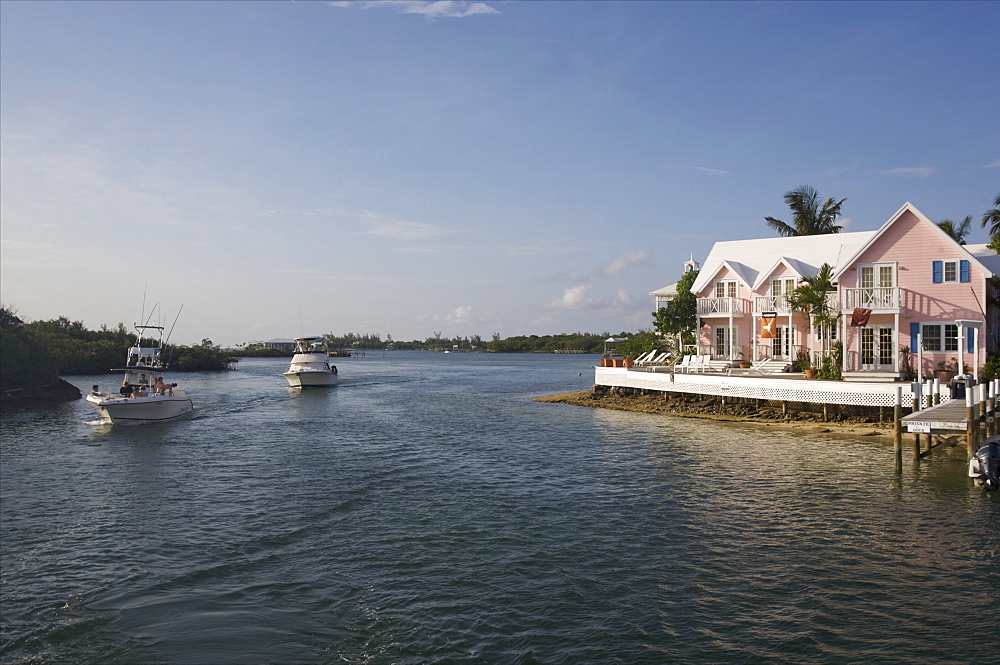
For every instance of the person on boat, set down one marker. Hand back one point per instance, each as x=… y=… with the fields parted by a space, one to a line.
x=95 y=391
x=163 y=388
x=143 y=381
x=137 y=391
x=126 y=389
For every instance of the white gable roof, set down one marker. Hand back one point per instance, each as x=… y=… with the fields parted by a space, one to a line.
x=976 y=260
x=758 y=258
x=986 y=256
x=666 y=291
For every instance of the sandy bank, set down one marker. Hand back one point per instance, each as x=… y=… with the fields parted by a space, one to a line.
x=712 y=409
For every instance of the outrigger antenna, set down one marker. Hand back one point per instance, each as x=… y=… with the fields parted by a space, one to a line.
x=172 y=327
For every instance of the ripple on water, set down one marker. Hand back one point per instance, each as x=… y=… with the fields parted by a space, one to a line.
x=426 y=512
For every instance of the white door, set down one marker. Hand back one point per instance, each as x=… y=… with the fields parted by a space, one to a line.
x=723 y=340
x=877 y=349
x=781 y=345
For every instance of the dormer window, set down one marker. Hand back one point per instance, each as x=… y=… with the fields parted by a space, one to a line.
x=725 y=288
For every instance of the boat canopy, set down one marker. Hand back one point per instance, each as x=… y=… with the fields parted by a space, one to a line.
x=141 y=356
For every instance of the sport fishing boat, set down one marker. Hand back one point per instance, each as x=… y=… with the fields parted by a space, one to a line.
x=144 y=397
x=310 y=367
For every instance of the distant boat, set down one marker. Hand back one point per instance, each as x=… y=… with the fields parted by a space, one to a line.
x=309 y=367
x=144 y=397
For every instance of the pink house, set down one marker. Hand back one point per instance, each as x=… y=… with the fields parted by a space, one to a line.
x=906 y=281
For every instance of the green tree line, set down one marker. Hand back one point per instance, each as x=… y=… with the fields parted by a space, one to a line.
x=35 y=352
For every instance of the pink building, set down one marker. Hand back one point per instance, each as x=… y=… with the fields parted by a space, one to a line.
x=907 y=279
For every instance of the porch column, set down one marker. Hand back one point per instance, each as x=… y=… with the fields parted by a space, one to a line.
x=895 y=339
x=732 y=333
x=843 y=340
x=920 y=356
x=961 y=346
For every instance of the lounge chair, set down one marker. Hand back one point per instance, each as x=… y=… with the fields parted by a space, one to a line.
x=645 y=357
x=684 y=365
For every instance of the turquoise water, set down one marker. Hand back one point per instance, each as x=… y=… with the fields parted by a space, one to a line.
x=427 y=510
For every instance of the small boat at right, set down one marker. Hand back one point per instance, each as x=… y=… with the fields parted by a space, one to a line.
x=984 y=467
x=310 y=367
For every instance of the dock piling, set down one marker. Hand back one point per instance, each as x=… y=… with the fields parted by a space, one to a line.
x=897 y=433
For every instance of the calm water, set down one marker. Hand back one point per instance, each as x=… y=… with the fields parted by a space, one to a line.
x=428 y=511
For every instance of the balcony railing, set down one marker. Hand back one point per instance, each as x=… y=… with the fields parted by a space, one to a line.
x=721 y=306
x=777 y=304
x=880 y=298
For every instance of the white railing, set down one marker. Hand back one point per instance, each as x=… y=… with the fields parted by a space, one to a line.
x=874 y=298
x=720 y=306
x=778 y=304
x=787 y=389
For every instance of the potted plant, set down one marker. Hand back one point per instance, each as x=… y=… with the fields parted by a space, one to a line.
x=801 y=362
x=947 y=371
x=743 y=363
x=810 y=372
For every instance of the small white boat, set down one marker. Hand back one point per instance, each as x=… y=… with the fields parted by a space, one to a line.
x=310 y=367
x=144 y=396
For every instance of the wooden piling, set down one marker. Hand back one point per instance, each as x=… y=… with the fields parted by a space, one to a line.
x=897 y=431
x=970 y=419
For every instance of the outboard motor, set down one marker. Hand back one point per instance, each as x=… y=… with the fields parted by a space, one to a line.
x=984 y=466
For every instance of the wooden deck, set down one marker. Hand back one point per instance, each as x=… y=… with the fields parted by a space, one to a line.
x=949 y=416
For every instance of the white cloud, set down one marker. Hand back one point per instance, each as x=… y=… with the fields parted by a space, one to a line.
x=387 y=227
x=705 y=169
x=462 y=314
x=623 y=262
x=914 y=171
x=427 y=8
x=995 y=164
x=575 y=297
x=622 y=299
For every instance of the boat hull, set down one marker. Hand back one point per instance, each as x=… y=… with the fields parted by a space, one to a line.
x=139 y=410
x=310 y=379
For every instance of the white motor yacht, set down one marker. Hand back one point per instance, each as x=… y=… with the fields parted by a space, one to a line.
x=310 y=367
x=144 y=396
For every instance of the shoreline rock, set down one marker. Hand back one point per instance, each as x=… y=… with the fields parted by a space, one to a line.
x=60 y=391
x=712 y=409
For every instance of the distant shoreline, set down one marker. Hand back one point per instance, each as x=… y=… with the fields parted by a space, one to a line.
x=806 y=423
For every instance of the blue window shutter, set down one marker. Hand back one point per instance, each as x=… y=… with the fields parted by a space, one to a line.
x=914 y=331
x=963 y=270
x=970 y=336
x=938 y=269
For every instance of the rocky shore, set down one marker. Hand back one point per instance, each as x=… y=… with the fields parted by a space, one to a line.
x=59 y=391
x=765 y=414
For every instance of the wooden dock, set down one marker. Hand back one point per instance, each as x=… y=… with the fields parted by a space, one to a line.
x=973 y=418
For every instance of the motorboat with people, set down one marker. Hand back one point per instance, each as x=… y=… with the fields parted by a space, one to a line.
x=144 y=396
x=984 y=467
x=310 y=367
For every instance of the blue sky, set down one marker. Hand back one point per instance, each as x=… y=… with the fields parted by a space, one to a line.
x=407 y=168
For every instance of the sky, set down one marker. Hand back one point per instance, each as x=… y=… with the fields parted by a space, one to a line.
x=276 y=169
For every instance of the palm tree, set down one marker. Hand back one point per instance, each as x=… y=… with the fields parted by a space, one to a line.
x=810 y=217
x=957 y=233
x=991 y=218
x=812 y=297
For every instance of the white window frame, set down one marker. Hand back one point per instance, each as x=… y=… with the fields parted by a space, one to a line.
x=878 y=272
x=727 y=286
x=945 y=343
x=956 y=271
